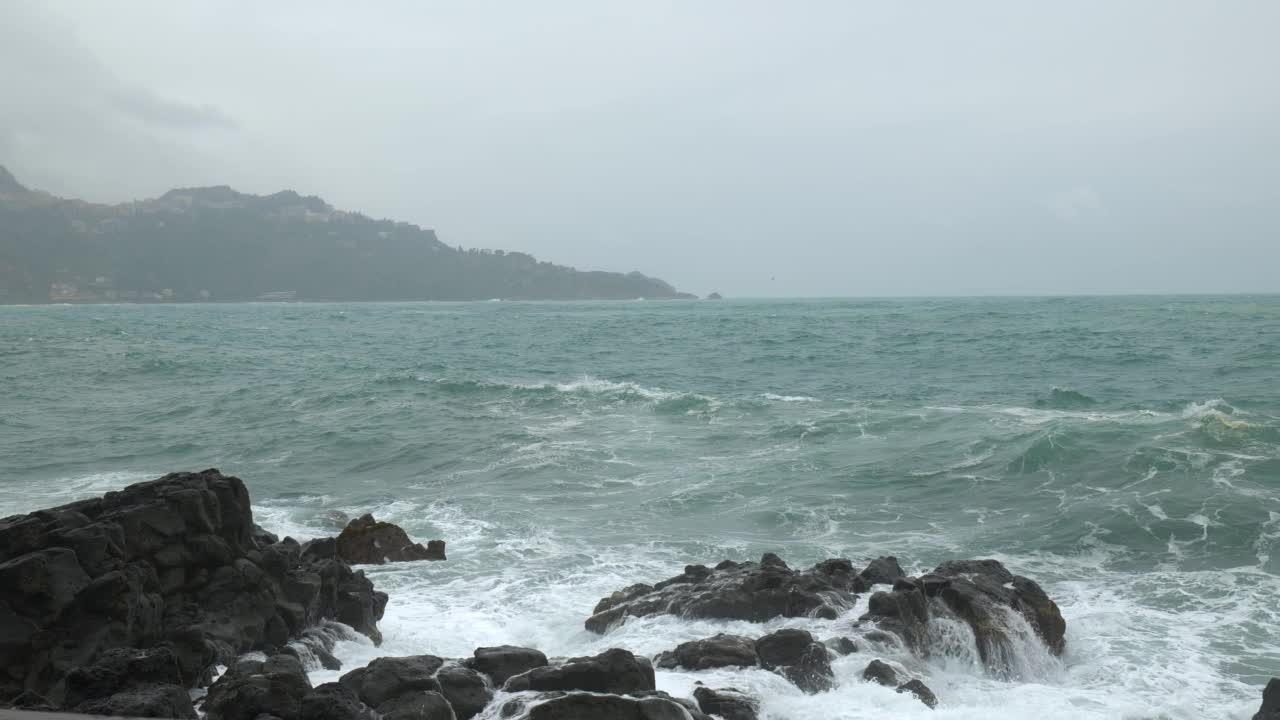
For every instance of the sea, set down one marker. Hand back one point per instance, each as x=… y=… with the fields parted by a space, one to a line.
x=1124 y=452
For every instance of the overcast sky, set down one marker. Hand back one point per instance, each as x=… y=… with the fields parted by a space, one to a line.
x=754 y=148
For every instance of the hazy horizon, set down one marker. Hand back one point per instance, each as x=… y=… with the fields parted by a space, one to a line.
x=850 y=150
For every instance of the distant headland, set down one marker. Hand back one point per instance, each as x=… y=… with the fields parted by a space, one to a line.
x=213 y=244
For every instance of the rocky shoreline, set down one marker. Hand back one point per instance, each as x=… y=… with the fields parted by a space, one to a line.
x=164 y=599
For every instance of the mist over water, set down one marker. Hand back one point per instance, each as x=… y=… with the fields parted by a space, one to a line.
x=1123 y=452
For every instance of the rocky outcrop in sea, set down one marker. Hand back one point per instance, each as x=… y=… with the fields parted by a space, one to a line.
x=137 y=602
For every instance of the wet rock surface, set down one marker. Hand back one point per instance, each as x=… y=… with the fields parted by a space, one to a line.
x=366 y=541
x=738 y=591
x=1270 y=709
x=97 y=595
x=728 y=703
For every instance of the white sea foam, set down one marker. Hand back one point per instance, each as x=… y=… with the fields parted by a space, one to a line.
x=1136 y=648
x=790 y=398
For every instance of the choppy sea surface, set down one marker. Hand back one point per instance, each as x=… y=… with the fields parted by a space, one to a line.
x=1124 y=452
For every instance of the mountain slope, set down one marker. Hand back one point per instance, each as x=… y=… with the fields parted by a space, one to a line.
x=214 y=243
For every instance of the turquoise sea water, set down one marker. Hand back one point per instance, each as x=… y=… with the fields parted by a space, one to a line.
x=1125 y=452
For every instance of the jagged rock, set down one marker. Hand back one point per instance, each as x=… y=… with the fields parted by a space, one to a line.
x=503 y=662
x=841 y=645
x=880 y=672
x=882 y=571
x=922 y=693
x=612 y=671
x=1270 y=709
x=978 y=591
x=585 y=706
x=728 y=703
x=365 y=541
x=156 y=701
x=720 y=650
x=276 y=687
x=904 y=611
x=175 y=564
x=390 y=677
x=334 y=701
x=417 y=705
x=738 y=591
x=465 y=689
x=795 y=655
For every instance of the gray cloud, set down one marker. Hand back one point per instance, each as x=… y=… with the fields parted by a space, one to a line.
x=749 y=147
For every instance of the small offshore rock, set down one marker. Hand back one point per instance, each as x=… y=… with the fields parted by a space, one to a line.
x=465 y=689
x=728 y=703
x=417 y=705
x=921 y=691
x=880 y=672
x=366 y=541
x=388 y=677
x=334 y=701
x=721 y=650
x=505 y=661
x=612 y=671
x=795 y=655
x=841 y=645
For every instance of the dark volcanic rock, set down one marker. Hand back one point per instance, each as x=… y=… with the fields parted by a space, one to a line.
x=795 y=655
x=417 y=705
x=880 y=672
x=922 y=693
x=584 y=706
x=882 y=571
x=1270 y=709
x=983 y=594
x=503 y=662
x=365 y=541
x=720 y=650
x=465 y=689
x=276 y=687
x=390 y=677
x=334 y=701
x=738 y=591
x=612 y=671
x=173 y=566
x=157 y=701
x=978 y=590
x=728 y=703
x=841 y=645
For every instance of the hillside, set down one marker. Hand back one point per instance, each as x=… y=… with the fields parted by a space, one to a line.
x=216 y=244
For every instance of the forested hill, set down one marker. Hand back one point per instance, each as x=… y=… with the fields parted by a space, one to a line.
x=216 y=244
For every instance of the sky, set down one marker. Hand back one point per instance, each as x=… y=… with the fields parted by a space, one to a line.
x=752 y=148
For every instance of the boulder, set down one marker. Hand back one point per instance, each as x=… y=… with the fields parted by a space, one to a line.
x=151 y=701
x=389 y=677
x=612 y=671
x=465 y=689
x=502 y=662
x=585 y=706
x=417 y=705
x=882 y=571
x=720 y=650
x=754 y=592
x=922 y=693
x=174 y=565
x=841 y=645
x=276 y=687
x=365 y=541
x=334 y=701
x=1270 y=709
x=880 y=672
x=795 y=655
x=729 y=703
x=981 y=591
x=903 y=611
